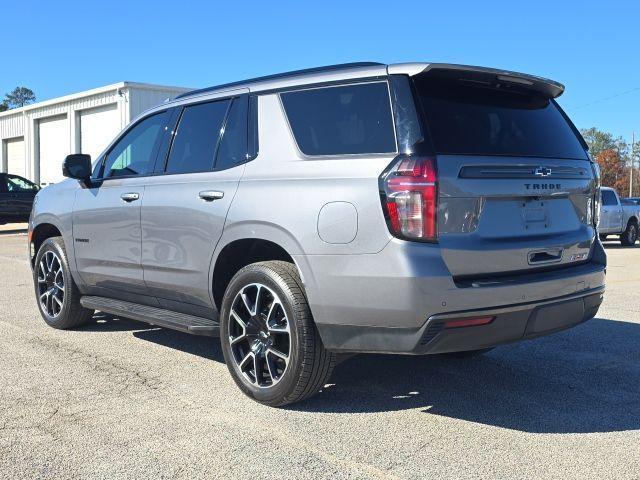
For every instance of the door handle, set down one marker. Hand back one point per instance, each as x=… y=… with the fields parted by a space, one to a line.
x=130 y=197
x=211 y=195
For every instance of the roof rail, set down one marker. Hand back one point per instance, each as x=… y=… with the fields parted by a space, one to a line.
x=276 y=76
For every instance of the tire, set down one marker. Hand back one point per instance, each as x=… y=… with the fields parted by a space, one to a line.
x=603 y=237
x=60 y=308
x=265 y=317
x=469 y=353
x=630 y=235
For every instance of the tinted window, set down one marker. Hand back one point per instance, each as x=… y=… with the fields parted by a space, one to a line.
x=608 y=198
x=342 y=120
x=19 y=184
x=253 y=141
x=196 y=139
x=233 y=146
x=473 y=120
x=3 y=184
x=135 y=153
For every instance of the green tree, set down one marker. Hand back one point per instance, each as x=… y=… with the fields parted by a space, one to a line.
x=600 y=141
x=19 y=97
x=3 y=106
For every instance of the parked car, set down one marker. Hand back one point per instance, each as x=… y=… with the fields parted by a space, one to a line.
x=16 y=198
x=412 y=208
x=618 y=217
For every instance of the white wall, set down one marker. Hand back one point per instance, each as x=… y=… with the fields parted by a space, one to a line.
x=14 y=156
x=97 y=127
x=54 y=144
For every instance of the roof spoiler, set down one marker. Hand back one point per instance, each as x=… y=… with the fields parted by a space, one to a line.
x=492 y=76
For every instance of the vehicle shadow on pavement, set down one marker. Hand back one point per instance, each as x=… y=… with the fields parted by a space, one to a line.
x=12 y=231
x=104 y=322
x=583 y=380
x=615 y=245
x=205 y=347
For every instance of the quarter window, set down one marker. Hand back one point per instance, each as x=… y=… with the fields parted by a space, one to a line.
x=197 y=136
x=135 y=153
x=347 y=119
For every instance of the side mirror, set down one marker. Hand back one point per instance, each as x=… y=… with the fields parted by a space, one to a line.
x=78 y=166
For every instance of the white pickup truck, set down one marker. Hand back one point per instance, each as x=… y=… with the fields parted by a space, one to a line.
x=618 y=217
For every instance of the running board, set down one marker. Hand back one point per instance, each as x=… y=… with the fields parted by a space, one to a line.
x=154 y=316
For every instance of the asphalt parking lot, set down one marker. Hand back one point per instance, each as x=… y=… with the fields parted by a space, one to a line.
x=120 y=399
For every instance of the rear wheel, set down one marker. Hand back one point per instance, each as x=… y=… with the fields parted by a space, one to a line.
x=630 y=235
x=56 y=293
x=270 y=343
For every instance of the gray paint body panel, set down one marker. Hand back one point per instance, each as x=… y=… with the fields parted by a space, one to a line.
x=180 y=231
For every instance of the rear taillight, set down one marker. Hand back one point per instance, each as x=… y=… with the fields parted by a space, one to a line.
x=408 y=190
x=468 y=322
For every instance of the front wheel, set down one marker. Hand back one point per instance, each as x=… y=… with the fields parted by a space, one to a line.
x=270 y=343
x=57 y=295
x=630 y=235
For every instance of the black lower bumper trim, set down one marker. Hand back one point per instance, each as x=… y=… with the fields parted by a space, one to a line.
x=511 y=324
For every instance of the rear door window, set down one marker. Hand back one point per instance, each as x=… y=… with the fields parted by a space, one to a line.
x=197 y=136
x=472 y=119
x=342 y=120
x=609 y=198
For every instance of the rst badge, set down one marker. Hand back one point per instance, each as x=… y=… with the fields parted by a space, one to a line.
x=576 y=257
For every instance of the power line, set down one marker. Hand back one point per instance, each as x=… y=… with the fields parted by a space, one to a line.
x=604 y=99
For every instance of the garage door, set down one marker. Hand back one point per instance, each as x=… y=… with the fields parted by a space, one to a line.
x=54 y=147
x=97 y=128
x=15 y=156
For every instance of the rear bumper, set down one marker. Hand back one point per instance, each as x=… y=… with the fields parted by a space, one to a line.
x=510 y=324
x=386 y=302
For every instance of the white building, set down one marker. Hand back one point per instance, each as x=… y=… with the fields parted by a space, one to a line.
x=36 y=138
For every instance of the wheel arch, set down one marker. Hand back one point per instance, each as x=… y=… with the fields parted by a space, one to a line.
x=39 y=234
x=236 y=253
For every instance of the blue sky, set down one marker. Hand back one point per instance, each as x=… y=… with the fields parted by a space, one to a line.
x=60 y=47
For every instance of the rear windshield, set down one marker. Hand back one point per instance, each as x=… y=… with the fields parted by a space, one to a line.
x=474 y=120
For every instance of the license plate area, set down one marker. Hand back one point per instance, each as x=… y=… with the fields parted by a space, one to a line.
x=534 y=215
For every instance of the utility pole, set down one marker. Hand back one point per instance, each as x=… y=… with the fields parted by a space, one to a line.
x=633 y=141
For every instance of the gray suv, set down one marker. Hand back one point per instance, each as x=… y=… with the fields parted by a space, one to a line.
x=413 y=208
